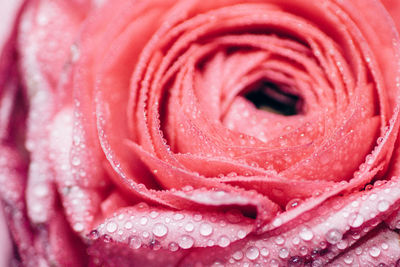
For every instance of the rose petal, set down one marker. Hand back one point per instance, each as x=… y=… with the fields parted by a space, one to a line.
x=380 y=248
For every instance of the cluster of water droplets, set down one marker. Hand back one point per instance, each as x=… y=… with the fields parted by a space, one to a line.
x=144 y=227
x=320 y=235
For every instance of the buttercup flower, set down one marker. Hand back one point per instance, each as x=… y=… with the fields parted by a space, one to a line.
x=202 y=133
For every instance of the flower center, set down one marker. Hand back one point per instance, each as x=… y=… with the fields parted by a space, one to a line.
x=271 y=97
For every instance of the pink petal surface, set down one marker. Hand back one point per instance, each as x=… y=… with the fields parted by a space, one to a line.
x=127 y=138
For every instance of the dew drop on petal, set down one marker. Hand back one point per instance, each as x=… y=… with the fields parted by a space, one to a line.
x=306 y=234
x=317 y=263
x=223 y=241
x=283 y=253
x=241 y=234
x=238 y=255
x=383 y=205
x=134 y=242
x=293 y=203
x=128 y=225
x=348 y=259
x=143 y=220
x=160 y=230
x=252 y=253
x=279 y=240
x=264 y=252
x=189 y=227
x=274 y=263
x=94 y=234
x=153 y=214
x=342 y=245
x=146 y=234
x=296 y=240
x=356 y=220
x=374 y=251
x=206 y=229
x=178 y=216
x=303 y=250
x=111 y=227
x=333 y=236
x=197 y=217
x=173 y=246
x=186 y=242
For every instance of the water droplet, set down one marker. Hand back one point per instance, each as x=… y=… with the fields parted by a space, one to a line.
x=241 y=234
x=252 y=253
x=189 y=227
x=385 y=246
x=333 y=236
x=373 y=196
x=238 y=255
x=317 y=263
x=279 y=240
x=186 y=242
x=111 y=227
x=146 y=234
x=142 y=206
x=153 y=214
x=94 y=234
x=223 y=241
x=160 y=230
x=274 y=263
x=143 y=220
x=342 y=244
x=348 y=259
x=296 y=241
x=128 y=225
x=374 y=251
x=283 y=253
x=306 y=234
x=178 y=216
x=206 y=229
x=356 y=220
x=173 y=246
x=383 y=205
x=303 y=250
x=134 y=242
x=197 y=217
x=264 y=252
x=293 y=203
x=210 y=243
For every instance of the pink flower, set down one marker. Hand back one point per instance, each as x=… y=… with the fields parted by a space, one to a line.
x=198 y=133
